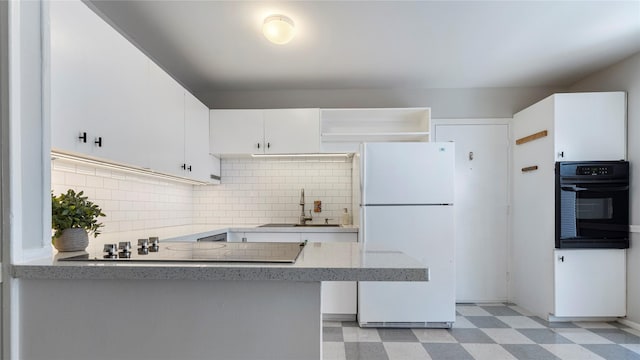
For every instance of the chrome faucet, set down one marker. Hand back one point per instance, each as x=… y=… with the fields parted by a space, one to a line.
x=303 y=218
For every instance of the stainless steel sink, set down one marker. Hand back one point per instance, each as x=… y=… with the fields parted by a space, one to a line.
x=299 y=225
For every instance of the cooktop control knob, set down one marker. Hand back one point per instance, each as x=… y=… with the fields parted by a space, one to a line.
x=154 y=241
x=111 y=251
x=124 y=246
x=143 y=243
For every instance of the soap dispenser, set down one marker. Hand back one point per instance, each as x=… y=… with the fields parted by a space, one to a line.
x=346 y=219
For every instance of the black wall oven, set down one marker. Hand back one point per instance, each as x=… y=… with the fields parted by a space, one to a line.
x=592 y=204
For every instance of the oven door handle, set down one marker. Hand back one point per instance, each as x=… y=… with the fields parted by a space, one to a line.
x=596 y=189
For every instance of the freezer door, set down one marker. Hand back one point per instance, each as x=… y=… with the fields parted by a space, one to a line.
x=407 y=173
x=425 y=233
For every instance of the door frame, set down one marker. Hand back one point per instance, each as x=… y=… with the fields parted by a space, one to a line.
x=490 y=121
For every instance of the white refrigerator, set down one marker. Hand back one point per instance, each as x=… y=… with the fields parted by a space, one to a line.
x=407 y=197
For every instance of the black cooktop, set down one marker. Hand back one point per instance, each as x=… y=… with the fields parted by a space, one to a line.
x=202 y=252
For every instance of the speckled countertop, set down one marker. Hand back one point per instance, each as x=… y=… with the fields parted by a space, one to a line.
x=317 y=262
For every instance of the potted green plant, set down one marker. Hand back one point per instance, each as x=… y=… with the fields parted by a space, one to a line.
x=73 y=218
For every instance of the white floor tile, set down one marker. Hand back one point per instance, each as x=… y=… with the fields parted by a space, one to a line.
x=521 y=310
x=581 y=336
x=463 y=323
x=406 y=351
x=520 y=322
x=633 y=347
x=471 y=311
x=507 y=336
x=333 y=351
x=434 y=336
x=488 y=352
x=352 y=334
x=571 y=352
x=594 y=325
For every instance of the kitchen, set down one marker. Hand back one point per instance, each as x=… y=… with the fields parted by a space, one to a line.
x=511 y=101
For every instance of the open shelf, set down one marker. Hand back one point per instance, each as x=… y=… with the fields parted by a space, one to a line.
x=346 y=128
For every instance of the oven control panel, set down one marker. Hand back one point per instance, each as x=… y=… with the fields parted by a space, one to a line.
x=594 y=170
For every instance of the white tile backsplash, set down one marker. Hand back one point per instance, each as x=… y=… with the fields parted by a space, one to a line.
x=252 y=191
x=130 y=201
x=257 y=191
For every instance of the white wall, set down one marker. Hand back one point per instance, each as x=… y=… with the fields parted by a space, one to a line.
x=444 y=103
x=255 y=191
x=130 y=201
x=625 y=76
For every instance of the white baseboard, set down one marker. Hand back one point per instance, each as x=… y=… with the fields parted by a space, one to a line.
x=629 y=323
x=553 y=318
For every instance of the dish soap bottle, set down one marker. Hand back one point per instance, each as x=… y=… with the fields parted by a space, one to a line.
x=346 y=219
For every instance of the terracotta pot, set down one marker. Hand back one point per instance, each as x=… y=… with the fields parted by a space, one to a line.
x=75 y=239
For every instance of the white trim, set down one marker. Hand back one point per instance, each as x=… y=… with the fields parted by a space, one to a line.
x=634 y=228
x=629 y=323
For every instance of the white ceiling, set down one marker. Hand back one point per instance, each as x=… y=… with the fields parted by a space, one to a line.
x=217 y=45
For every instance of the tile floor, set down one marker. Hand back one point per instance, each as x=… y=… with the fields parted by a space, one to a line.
x=485 y=331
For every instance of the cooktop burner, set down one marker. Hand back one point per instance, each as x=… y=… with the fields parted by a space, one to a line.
x=196 y=252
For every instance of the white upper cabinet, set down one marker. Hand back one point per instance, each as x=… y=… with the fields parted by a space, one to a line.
x=580 y=126
x=97 y=77
x=236 y=131
x=291 y=131
x=275 y=131
x=590 y=126
x=198 y=162
x=110 y=102
x=167 y=122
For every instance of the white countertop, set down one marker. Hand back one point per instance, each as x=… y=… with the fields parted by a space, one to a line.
x=317 y=262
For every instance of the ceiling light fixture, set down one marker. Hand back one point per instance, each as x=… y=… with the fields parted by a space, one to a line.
x=278 y=29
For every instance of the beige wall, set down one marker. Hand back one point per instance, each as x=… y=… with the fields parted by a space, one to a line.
x=625 y=76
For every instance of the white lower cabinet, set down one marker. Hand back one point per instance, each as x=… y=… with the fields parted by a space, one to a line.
x=590 y=282
x=339 y=298
x=262 y=237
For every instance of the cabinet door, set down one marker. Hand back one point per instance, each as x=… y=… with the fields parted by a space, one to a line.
x=291 y=131
x=590 y=126
x=98 y=82
x=236 y=132
x=590 y=282
x=167 y=116
x=271 y=237
x=338 y=297
x=196 y=139
x=73 y=91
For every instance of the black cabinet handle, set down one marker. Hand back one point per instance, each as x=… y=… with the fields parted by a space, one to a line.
x=561 y=258
x=268 y=145
x=189 y=168
x=183 y=167
x=258 y=145
x=98 y=141
x=83 y=137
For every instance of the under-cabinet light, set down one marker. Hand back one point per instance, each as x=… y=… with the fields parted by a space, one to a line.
x=328 y=155
x=128 y=169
